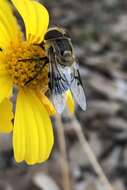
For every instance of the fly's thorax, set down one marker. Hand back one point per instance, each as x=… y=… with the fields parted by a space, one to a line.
x=60 y=48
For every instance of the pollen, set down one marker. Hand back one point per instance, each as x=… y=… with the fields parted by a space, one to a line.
x=25 y=64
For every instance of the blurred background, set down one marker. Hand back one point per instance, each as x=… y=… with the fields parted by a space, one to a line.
x=99 y=34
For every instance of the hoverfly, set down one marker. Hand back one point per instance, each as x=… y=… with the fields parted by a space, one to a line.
x=63 y=69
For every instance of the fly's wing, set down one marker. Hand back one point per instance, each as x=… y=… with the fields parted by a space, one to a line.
x=77 y=88
x=58 y=83
x=59 y=102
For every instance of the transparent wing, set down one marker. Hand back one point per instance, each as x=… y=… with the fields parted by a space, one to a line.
x=58 y=83
x=77 y=88
x=59 y=102
x=63 y=78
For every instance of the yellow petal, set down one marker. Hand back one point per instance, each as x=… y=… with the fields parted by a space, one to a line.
x=33 y=134
x=47 y=103
x=35 y=17
x=70 y=101
x=9 y=29
x=6 y=116
x=5 y=84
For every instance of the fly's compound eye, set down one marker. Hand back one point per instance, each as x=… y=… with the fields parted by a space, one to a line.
x=53 y=34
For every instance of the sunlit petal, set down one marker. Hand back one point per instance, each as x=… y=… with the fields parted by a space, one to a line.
x=5 y=84
x=70 y=101
x=33 y=134
x=47 y=103
x=9 y=29
x=6 y=116
x=35 y=17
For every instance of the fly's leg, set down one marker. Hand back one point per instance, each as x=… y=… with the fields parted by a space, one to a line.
x=40 y=66
x=40 y=69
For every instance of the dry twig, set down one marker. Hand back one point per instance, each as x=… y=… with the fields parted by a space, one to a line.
x=63 y=154
x=87 y=150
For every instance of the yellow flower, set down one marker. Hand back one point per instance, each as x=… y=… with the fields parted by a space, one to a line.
x=32 y=130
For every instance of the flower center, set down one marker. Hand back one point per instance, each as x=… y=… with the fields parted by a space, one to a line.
x=25 y=64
